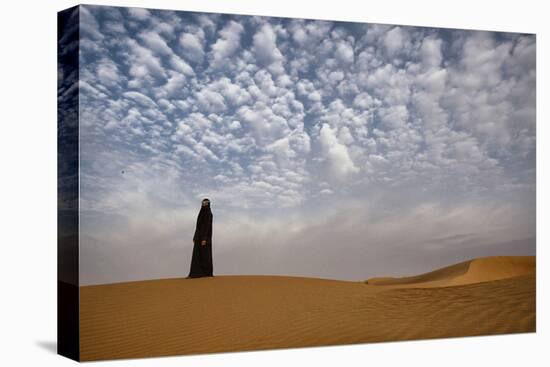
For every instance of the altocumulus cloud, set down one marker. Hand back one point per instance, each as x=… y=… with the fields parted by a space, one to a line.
x=328 y=149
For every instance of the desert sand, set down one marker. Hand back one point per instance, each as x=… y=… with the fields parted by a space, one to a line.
x=493 y=295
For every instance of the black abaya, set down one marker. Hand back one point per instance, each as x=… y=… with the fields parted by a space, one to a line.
x=201 y=261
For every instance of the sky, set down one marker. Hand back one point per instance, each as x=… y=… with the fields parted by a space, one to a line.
x=328 y=149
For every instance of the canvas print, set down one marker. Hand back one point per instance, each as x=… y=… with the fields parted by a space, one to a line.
x=233 y=182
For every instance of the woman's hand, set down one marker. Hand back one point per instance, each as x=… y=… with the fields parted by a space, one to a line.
x=203 y=242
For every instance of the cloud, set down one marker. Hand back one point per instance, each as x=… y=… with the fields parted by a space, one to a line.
x=339 y=162
x=140 y=98
x=143 y=62
x=394 y=117
x=363 y=100
x=344 y=53
x=156 y=43
x=108 y=73
x=281 y=149
x=139 y=13
x=227 y=43
x=173 y=87
x=89 y=26
x=266 y=51
x=179 y=65
x=431 y=52
x=210 y=101
x=393 y=41
x=192 y=46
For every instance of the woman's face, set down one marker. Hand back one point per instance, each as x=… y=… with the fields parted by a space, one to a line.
x=205 y=202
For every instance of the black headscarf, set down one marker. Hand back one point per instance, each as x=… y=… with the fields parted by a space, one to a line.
x=203 y=213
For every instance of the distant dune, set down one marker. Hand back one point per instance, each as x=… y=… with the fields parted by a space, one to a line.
x=468 y=272
x=164 y=317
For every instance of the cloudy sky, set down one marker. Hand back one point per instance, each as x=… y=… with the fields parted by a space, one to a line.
x=328 y=149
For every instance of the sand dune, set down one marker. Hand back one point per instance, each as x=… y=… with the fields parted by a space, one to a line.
x=468 y=272
x=236 y=313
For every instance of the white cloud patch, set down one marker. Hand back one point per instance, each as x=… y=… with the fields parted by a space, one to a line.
x=431 y=52
x=192 y=46
x=393 y=41
x=227 y=43
x=266 y=51
x=108 y=73
x=394 y=117
x=339 y=162
x=155 y=42
x=89 y=26
x=344 y=53
x=140 y=98
x=210 y=101
x=139 y=13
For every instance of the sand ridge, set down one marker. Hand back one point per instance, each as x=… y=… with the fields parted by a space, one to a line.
x=478 y=270
x=237 y=313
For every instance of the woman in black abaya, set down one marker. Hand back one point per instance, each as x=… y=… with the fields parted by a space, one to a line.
x=201 y=261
